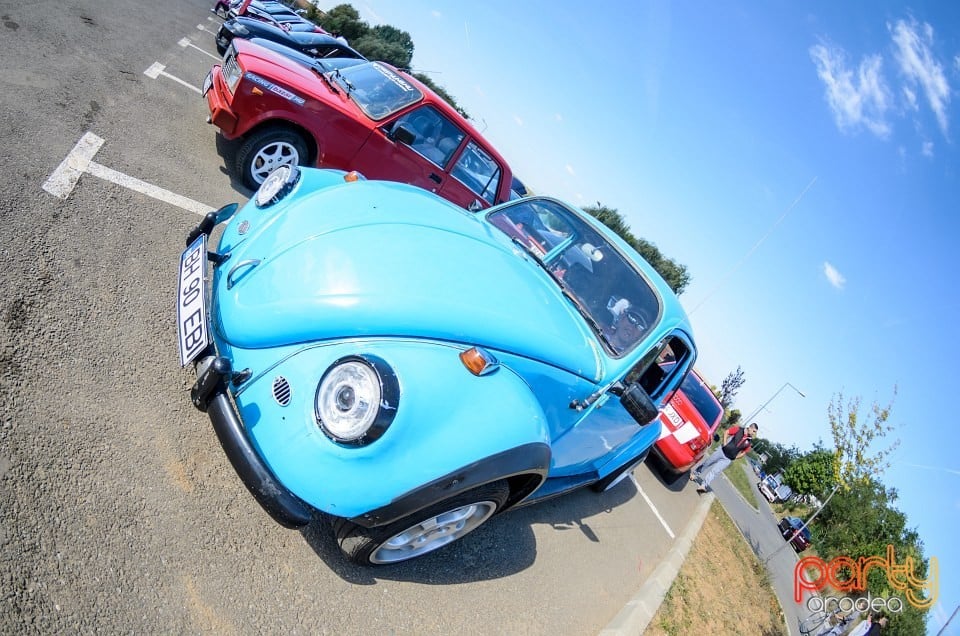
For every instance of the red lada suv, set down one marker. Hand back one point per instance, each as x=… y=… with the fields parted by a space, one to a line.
x=368 y=117
x=688 y=423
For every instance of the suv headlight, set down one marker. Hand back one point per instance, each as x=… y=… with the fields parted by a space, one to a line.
x=356 y=400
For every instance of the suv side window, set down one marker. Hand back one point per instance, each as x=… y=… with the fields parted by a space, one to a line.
x=435 y=137
x=478 y=171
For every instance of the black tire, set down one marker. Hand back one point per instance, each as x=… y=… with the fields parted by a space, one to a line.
x=266 y=149
x=617 y=475
x=363 y=545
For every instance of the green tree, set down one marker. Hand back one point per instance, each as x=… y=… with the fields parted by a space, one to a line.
x=385 y=43
x=779 y=457
x=855 y=438
x=730 y=386
x=674 y=274
x=345 y=20
x=812 y=473
x=861 y=521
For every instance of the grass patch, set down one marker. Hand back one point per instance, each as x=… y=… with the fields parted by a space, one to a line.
x=722 y=588
x=741 y=481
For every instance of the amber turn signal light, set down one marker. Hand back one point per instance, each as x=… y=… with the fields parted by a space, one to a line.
x=479 y=361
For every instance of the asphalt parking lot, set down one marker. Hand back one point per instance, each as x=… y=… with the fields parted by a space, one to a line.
x=118 y=510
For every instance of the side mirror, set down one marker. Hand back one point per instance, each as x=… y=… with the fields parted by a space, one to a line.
x=403 y=135
x=638 y=404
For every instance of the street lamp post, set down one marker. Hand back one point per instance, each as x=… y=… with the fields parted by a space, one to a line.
x=747 y=421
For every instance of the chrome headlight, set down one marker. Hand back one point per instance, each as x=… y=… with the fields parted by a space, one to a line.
x=276 y=186
x=356 y=400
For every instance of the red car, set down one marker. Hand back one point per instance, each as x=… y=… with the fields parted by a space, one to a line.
x=687 y=424
x=367 y=116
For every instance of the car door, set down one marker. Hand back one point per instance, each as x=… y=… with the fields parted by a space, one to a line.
x=608 y=433
x=420 y=162
x=475 y=178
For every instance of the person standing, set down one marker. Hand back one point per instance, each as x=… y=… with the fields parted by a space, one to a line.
x=736 y=444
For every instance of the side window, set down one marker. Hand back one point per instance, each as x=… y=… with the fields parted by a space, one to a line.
x=660 y=372
x=478 y=171
x=435 y=137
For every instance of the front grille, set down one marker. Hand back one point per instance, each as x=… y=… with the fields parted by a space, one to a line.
x=281 y=390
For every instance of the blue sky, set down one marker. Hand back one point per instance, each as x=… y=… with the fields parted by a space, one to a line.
x=800 y=158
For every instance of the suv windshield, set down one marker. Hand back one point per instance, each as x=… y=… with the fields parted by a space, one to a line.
x=620 y=304
x=377 y=90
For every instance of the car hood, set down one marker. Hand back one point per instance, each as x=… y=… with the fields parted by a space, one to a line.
x=379 y=259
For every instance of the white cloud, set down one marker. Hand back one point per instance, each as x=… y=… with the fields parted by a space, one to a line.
x=558 y=117
x=436 y=14
x=917 y=62
x=518 y=120
x=833 y=276
x=927 y=149
x=857 y=100
x=570 y=170
x=911 y=98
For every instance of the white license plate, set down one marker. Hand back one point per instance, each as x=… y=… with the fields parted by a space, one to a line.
x=207 y=84
x=192 y=330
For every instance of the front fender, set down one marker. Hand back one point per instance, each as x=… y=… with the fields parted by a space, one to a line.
x=452 y=431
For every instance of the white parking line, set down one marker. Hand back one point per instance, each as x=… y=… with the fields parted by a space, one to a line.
x=80 y=160
x=200 y=27
x=61 y=183
x=185 y=42
x=155 y=70
x=652 y=507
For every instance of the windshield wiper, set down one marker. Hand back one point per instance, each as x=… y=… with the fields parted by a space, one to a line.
x=350 y=87
x=324 y=77
x=566 y=291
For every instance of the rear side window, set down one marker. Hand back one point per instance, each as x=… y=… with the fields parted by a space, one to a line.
x=478 y=171
x=702 y=399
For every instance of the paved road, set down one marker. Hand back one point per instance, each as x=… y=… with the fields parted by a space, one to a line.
x=759 y=527
x=118 y=510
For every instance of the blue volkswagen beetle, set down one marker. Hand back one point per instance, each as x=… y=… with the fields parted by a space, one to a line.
x=373 y=353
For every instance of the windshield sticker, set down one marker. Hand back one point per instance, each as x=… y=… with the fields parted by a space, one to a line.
x=393 y=77
x=273 y=88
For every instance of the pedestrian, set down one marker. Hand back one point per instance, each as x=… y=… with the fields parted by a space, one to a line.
x=876 y=626
x=863 y=627
x=736 y=444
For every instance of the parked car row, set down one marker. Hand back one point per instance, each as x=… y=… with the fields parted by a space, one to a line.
x=405 y=340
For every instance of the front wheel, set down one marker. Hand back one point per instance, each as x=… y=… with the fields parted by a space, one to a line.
x=424 y=531
x=267 y=150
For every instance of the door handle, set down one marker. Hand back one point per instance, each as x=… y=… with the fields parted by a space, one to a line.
x=250 y=262
x=435 y=177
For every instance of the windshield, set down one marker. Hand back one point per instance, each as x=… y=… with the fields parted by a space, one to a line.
x=376 y=89
x=618 y=302
x=702 y=399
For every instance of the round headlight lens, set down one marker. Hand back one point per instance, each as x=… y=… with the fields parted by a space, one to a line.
x=348 y=400
x=276 y=185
